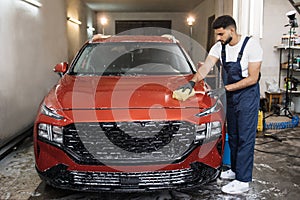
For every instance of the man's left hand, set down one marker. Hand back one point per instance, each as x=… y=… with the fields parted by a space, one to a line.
x=216 y=92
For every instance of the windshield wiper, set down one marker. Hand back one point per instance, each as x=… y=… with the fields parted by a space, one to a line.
x=112 y=74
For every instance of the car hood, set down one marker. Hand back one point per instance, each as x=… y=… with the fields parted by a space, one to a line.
x=123 y=92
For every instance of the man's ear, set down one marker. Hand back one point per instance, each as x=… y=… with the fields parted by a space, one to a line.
x=232 y=29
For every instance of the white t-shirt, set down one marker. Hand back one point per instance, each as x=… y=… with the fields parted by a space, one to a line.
x=252 y=53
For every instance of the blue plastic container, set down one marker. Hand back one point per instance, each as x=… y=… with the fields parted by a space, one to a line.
x=226 y=155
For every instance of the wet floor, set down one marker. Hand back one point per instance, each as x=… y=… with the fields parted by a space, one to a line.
x=276 y=175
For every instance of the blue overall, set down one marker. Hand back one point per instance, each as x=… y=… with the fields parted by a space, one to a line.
x=242 y=116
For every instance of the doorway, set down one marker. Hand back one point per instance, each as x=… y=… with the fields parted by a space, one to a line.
x=127 y=26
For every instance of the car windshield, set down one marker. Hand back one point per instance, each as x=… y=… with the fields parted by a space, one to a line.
x=131 y=58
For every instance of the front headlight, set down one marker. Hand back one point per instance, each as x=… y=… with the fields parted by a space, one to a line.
x=50 y=133
x=200 y=132
x=207 y=131
x=49 y=112
x=215 y=108
x=214 y=129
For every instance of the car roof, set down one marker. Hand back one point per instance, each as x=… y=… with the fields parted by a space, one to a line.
x=99 y=38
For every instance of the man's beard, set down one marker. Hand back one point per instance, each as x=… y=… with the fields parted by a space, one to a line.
x=228 y=40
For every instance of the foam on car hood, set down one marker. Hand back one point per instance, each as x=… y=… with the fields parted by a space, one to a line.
x=115 y=92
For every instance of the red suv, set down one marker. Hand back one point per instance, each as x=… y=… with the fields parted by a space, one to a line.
x=111 y=124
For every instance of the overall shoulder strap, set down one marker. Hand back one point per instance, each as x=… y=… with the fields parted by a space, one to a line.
x=223 y=55
x=242 y=49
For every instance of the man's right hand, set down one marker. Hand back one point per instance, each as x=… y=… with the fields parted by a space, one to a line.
x=190 y=85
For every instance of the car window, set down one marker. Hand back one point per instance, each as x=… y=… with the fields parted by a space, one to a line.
x=129 y=58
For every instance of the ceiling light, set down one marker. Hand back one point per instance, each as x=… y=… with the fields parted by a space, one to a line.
x=33 y=3
x=292 y=19
x=76 y=21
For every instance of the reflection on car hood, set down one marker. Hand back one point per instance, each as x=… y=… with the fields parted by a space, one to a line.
x=112 y=92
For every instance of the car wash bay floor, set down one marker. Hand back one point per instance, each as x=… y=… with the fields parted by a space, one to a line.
x=276 y=175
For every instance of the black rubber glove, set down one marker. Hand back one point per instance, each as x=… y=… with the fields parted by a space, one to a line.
x=217 y=92
x=190 y=85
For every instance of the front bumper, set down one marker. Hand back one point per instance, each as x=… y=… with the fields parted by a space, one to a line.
x=59 y=176
x=86 y=160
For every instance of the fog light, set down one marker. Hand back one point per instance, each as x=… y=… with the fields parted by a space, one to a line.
x=216 y=129
x=44 y=131
x=51 y=133
x=207 y=131
x=200 y=133
x=213 y=130
x=57 y=134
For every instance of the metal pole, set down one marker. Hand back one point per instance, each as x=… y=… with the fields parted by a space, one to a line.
x=288 y=79
x=191 y=42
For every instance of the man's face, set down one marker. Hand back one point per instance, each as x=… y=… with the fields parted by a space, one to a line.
x=223 y=35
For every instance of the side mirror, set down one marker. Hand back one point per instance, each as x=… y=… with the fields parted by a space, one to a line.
x=61 y=68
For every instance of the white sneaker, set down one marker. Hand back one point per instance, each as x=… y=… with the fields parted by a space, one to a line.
x=235 y=187
x=229 y=174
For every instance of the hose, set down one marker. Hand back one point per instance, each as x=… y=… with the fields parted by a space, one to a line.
x=283 y=125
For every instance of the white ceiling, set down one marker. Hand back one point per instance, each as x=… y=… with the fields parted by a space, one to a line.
x=142 y=5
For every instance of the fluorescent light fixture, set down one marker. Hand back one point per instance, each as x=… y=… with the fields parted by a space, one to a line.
x=91 y=29
x=76 y=21
x=33 y=3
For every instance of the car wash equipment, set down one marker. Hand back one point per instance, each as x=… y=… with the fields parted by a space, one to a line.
x=226 y=155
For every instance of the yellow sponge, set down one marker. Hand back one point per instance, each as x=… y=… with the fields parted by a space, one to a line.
x=182 y=96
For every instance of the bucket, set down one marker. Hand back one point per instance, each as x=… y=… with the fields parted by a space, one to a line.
x=260 y=126
x=226 y=155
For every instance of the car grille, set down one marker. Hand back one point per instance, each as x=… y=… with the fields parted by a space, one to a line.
x=129 y=142
x=60 y=176
x=142 y=179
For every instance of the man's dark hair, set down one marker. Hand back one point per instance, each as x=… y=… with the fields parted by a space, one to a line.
x=224 y=21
